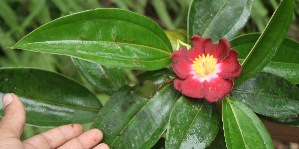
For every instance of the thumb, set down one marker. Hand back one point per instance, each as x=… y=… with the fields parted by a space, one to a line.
x=12 y=123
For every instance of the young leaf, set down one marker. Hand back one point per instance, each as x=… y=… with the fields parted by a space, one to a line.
x=111 y=37
x=269 y=41
x=50 y=99
x=269 y=95
x=131 y=119
x=192 y=124
x=105 y=79
x=217 y=18
x=242 y=128
x=175 y=35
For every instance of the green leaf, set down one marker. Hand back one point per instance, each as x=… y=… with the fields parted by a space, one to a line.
x=242 y=128
x=288 y=52
x=269 y=95
x=217 y=18
x=285 y=62
x=192 y=124
x=111 y=37
x=219 y=141
x=269 y=41
x=288 y=71
x=131 y=120
x=157 y=77
x=105 y=79
x=50 y=99
x=294 y=121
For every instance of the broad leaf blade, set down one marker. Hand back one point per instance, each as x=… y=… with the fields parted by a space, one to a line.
x=111 y=37
x=288 y=52
x=294 y=121
x=285 y=62
x=192 y=124
x=131 y=120
x=50 y=99
x=105 y=79
x=219 y=141
x=269 y=95
x=289 y=71
x=242 y=128
x=269 y=41
x=217 y=18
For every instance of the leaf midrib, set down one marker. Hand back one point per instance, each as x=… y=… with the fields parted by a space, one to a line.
x=192 y=122
x=218 y=12
x=61 y=104
x=135 y=116
x=235 y=118
x=31 y=36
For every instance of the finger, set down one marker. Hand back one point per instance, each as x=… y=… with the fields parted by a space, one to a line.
x=12 y=123
x=86 y=140
x=102 y=146
x=54 y=137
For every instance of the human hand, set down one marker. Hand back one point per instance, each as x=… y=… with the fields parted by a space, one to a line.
x=63 y=137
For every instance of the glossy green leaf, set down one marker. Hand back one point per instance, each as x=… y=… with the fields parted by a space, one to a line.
x=218 y=18
x=192 y=124
x=105 y=79
x=242 y=128
x=50 y=99
x=269 y=95
x=294 y=121
x=289 y=71
x=111 y=37
x=131 y=120
x=157 y=77
x=285 y=62
x=219 y=141
x=269 y=41
x=288 y=52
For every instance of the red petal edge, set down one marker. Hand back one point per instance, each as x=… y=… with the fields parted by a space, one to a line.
x=181 y=64
x=189 y=87
x=230 y=67
x=217 y=88
x=198 y=48
x=220 y=51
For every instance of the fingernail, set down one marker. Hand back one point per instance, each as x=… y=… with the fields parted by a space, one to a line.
x=7 y=99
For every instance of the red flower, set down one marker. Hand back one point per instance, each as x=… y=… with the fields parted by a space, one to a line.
x=207 y=70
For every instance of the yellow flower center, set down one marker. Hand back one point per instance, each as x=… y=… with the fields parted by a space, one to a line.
x=204 y=65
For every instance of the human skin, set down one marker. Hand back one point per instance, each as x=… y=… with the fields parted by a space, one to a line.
x=64 y=137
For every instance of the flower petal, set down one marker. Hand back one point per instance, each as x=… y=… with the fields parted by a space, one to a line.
x=220 y=51
x=190 y=87
x=198 y=48
x=181 y=63
x=217 y=88
x=230 y=67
